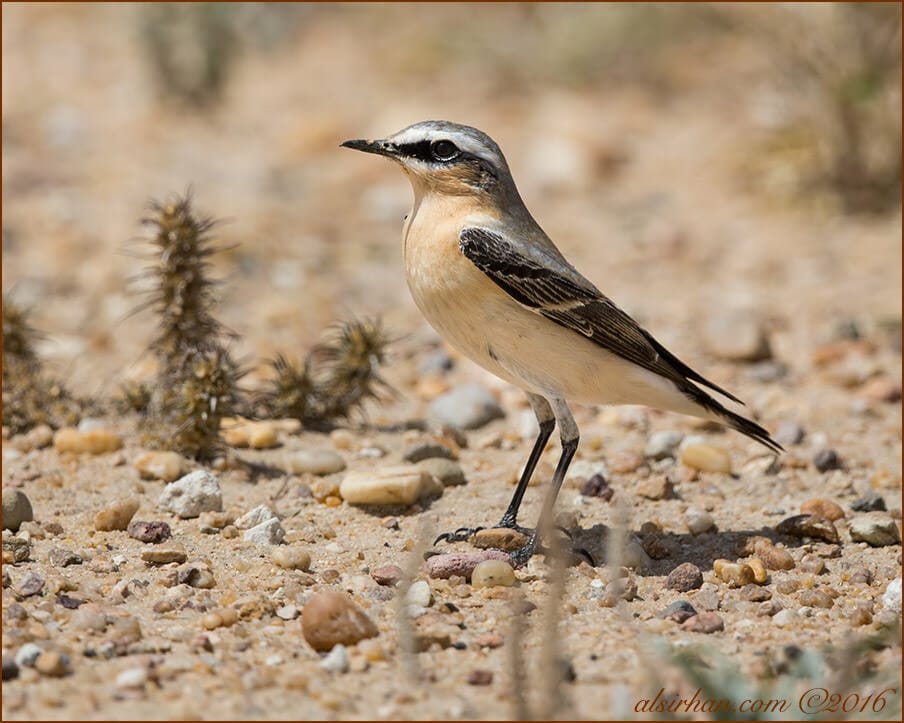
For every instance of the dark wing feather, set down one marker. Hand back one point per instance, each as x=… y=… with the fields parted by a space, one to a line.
x=565 y=297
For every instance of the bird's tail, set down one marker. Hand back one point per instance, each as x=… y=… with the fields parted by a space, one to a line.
x=721 y=414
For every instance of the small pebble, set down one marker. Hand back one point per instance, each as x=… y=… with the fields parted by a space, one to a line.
x=469 y=406
x=698 y=521
x=788 y=586
x=164 y=554
x=812 y=564
x=489 y=640
x=706 y=458
x=117 y=515
x=760 y=575
x=426 y=450
x=60 y=557
x=499 y=538
x=786 y=618
x=685 y=577
x=10 y=668
x=16 y=509
x=623 y=462
x=27 y=655
x=678 y=611
x=36 y=438
x=735 y=574
x=219 y=618
x=774 y=557
x=262 y=435
x=809 y=526
x=331 y=617
x=92 y=441
x=291 y=558
x=655 y=487
x=419 y=594
x=621 y=588
x=150 y=532
x=768 y=608
x=826 y=460
x=597 y=486
x=52 y=664
x=891 y=598
x=705 y=622
x=789 y=434
x=270 y=532
x=287 y=612
x=822 y=508
x=662 y=445
x=31 y=584
x=635 y=557
x=493 y=573
x=816 y=599
x=336 y=661
x=754 y=593
x=480 y=677
x=861 y=576
x=254 y=517
x=166 y=466
x=197 y=576
x=870 y=502
x=882 y=388
x=736 y=334
x=395 y=485
x=876 y=529
x=448 y=472
x=707 y=598
x=132 y=678
x=862 y=615
x=316 y=461
x=193 y=494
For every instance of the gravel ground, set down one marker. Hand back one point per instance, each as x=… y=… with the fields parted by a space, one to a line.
x=644 y=193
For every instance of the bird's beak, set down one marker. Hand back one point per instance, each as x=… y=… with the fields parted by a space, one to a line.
x=381 y=148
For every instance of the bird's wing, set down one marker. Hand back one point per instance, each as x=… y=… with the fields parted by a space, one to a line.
x=557 y=291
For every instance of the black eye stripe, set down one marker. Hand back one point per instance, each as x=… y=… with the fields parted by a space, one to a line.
x=419 y=150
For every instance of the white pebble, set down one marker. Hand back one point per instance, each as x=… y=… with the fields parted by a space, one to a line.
x=785 y=618
x=132 y=678
x=315 y=461
x=254 y=517
x=891 y=599
x=419 y=594
x=192 y=494
x=266 y=533
x=27 y=655
x=336 y=661
x=395 y=485
x=698 y=521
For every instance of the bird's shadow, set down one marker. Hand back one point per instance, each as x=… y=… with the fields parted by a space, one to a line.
x=701 y=550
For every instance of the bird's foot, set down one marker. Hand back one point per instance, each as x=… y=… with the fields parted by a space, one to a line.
x=459 y=535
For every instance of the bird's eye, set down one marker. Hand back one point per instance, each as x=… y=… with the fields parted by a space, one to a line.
x=444 y=150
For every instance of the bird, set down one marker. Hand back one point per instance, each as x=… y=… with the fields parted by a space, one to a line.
x=497 y=289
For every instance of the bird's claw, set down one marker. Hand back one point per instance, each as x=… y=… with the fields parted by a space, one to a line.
x=459 y=535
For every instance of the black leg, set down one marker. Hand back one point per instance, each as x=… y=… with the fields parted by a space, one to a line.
x=570 y=440
x=547 y=421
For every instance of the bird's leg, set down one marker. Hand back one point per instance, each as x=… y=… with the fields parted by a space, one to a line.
x=570 y=437
x=547 y=421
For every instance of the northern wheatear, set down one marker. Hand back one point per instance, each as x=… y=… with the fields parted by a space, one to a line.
x=493 y=285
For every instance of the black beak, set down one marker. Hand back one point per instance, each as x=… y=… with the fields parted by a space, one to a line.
x=381 y=148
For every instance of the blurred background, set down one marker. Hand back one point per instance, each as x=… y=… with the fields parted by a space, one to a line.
x=689 y=159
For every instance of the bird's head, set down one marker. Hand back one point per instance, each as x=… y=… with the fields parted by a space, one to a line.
x=443 y=157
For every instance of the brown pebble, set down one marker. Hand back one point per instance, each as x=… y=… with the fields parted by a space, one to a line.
x=489 y=640
x=164 y=554
x=653 y=545
x=117 y=516
x=881 y=389
x=704 y=622
x=625 y=461
x=622 y=588
x=499 y=538
x=389 y=575
x=657 y=487
x=755 y=593
x=52 y=664
x=149 y=532
x=812 y=564
x=769 y=608
x=774 y=557
x=461 y=563
x=684 y=578
x=822 y=508
x=816 y=598
x=93 y=441
x=862 y=615
x=706 y=458
x=786 y=587
x=813 y=526
x=60 y=557
x=735 y=574
x=760 y=575
x=861 y=576
x=331 y=617
x=480 y=677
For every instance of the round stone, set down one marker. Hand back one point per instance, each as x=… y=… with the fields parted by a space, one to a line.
x=316 y=461
x=291 y=558
x=332 y=618
x=493 y=573
x=117 y=515
x=16 y=509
